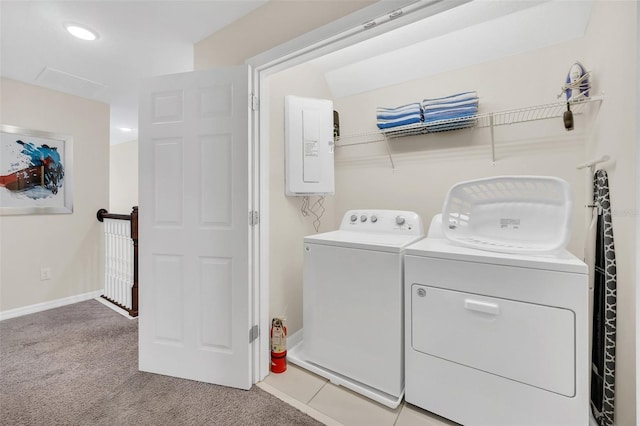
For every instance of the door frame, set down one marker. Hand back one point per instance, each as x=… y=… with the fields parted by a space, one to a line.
x=329 y=38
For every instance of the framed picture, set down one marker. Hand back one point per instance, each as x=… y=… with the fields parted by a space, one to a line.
x=36 y=172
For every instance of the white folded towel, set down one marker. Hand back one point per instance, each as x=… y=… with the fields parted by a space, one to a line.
x=451 y=113
x=448 y=105
x=401 y=121
x=403 y=108
x=464 y=96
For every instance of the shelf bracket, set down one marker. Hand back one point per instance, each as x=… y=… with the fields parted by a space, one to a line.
x=386 y=141
x=493 y=144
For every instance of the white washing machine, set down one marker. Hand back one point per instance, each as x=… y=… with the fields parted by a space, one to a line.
x=353 y=303
x=496 y=339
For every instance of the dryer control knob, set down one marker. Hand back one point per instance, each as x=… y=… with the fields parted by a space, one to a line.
x=374 y=218
x=363 y=218
x=354 y=218
x=400 y=220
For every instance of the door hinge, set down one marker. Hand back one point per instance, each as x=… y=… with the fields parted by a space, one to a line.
x=254 y=332
x=254 y=218
x=254 y=102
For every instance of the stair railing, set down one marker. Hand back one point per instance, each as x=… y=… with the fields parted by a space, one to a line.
x=121 y=259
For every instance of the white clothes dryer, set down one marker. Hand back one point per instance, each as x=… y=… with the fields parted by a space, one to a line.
x=353 y=303
x=496 y=339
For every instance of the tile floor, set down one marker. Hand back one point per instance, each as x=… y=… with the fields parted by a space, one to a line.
x=335 y=405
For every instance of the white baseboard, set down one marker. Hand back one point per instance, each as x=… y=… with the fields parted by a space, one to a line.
x=38 y=307
x=116 y=308
x=295 y=338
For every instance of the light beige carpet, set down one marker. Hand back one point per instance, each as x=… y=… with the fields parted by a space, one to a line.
x=78 y=365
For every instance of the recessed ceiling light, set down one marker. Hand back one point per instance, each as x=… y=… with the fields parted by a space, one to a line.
x=81 y=32
x=126 y=129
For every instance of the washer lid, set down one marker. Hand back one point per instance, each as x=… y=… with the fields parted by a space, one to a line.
x=384 y=241
x=440 y=248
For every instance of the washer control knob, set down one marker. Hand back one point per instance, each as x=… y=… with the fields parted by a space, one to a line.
x=374 y=218
x=400 y=220
x=354 y=218
x=363 y=218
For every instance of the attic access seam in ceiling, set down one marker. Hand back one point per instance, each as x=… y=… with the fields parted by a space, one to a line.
x=69 y=83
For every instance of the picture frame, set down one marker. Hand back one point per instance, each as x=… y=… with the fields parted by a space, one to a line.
x=36 y=172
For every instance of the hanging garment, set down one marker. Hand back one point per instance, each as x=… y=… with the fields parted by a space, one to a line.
x=603 y=352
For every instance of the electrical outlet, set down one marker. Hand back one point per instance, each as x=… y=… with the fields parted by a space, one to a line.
x=45 y=274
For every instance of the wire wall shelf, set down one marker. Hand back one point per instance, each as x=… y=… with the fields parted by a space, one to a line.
x=490 y=119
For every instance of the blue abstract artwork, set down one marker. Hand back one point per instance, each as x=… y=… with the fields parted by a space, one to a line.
x=34 y=171
x=43 y=173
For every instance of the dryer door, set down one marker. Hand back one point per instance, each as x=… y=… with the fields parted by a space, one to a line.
x=525 y=342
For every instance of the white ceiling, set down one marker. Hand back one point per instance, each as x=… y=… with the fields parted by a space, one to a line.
x=137 y=39
x=468 y=34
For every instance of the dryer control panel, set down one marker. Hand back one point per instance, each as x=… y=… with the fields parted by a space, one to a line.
x=397 y=221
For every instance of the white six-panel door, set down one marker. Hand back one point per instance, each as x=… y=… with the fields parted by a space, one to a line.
x=194 y=269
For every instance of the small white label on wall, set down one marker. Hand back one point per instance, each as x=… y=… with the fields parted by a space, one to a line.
x=507 y=223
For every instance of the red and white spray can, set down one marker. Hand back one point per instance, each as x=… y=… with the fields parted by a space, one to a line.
x=278 y=346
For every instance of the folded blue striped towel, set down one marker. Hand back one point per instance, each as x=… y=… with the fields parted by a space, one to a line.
x=449 y=105
x=410 y=107
x=402 y=121
x=454 y=107
x=382 y=116
x=399 y=116
x=459 y=97
x=450 y=113
x=393 y=113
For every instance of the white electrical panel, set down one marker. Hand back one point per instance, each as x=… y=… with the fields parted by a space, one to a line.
x=309 y=146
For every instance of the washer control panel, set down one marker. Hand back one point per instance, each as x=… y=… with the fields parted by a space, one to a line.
x=400 y=221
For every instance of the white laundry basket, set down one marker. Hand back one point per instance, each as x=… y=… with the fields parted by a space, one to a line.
x=509 y=214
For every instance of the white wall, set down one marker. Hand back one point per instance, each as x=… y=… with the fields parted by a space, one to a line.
x=611 y=46
x=287 y=225
x=427 y=166
x=637 y=215
x=270 y=25
x=123 y=177
x=67 y=243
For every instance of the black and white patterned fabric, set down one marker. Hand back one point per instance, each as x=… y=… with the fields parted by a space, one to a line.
x=603 y=352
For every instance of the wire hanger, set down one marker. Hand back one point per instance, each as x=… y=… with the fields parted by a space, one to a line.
x=592 y=164
x=592 y=168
